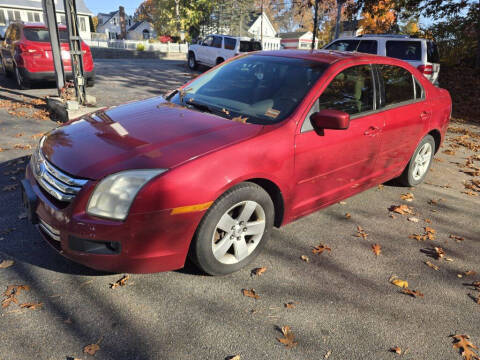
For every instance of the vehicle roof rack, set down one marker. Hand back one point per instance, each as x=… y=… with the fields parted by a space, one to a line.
x=386 y=35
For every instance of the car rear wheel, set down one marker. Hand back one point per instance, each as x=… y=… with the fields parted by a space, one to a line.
x=21 y=82
x=5 y=71
x=420 y=163
x=234 y=230
x=192 y=62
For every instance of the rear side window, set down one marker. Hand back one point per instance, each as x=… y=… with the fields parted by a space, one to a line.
x=397 y=83
x=42 y=35
x=405 y=50
x=419 y=93
x=432 y=52
x=368 y=46
x=247 y=46
x=217 y=42
x=229 y=43
x=350 y=91
x=344 y=45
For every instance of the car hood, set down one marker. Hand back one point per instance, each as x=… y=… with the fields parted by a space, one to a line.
x=146 y=134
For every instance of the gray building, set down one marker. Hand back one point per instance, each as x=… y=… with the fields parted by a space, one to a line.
x=32 y=11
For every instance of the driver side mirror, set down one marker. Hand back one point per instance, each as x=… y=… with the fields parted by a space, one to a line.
x=330 y=119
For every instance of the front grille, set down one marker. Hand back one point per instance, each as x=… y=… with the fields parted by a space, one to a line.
x=61 y=186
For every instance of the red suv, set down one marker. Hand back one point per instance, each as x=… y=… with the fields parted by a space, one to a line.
x=27 y=54
x=256 y=142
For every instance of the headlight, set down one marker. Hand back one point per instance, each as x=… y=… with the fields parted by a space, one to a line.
x=113 y=196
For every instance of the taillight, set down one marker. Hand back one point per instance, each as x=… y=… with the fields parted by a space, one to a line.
x=425 y=69
x=23 y=49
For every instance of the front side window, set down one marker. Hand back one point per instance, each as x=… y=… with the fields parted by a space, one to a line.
x=208 y=41
x=261 y=89
x=351 y=91
x=405 y=50
x=344 y=45
x=397 y=83
x=229 y=43
x=217 y=42
x=368 y=46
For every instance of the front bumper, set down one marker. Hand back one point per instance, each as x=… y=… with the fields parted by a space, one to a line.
x=31 y=76
x=143 y=243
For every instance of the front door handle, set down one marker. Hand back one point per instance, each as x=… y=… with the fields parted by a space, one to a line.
x=372 y=131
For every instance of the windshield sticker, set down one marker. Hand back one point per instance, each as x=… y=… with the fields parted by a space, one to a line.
x=272 y=113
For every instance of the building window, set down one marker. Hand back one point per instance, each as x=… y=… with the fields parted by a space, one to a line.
x=114 y=21
x=30 y=16
x=83 y=25
x=10 y=15
x=17 y=15
x=37 y=17
x=3 y=21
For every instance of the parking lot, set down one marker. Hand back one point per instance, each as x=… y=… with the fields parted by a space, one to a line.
x=342 y=304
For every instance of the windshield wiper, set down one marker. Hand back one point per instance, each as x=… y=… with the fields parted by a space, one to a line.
x=199 y=106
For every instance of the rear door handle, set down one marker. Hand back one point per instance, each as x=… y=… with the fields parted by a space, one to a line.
x=372 y=131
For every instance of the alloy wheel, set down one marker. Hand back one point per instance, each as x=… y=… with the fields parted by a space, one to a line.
x=422 y=161
x=238 y=232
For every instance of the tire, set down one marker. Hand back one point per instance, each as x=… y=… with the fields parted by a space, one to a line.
x=223 y=244
x=220 y=60
x=419 y=164
x=5 y=71
x=21 y=82
x=192 y=62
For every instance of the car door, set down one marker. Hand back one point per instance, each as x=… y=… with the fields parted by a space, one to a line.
x=229 y=45
x=407 y=114
x=334 y=164
x=215 y=51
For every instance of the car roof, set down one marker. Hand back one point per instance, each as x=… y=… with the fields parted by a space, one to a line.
x=373 y=37
x=325 y=56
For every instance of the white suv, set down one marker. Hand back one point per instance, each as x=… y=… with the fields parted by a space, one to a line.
x=218 y=48
x=420 y=53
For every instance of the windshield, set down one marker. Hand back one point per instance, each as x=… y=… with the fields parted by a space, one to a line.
x=259 y=89
x=42 y=35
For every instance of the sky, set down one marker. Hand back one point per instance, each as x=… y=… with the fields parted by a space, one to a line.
x=106 y=6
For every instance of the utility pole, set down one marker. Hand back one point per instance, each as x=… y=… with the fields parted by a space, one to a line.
x=339 y=14
x=261 y=25
x=315 y=24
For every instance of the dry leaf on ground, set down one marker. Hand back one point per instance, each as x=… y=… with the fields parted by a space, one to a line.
x=396 y=350
x=463 y=344
x=348 y=216
x=290 y=305
x=361 y=232
x=398 y=282
x=456 y=238
x=288 y=338
x=401 y=209
x=412 y=293
x=31 y=306
x=259 y=270
x=320 y=249
x=407 y=197
x=305 y=258
x=433 y=266
x=120 y=282
x=6 y=263
x=327 y=354
x=91 y=349
x=377 y=249
x=250 y=293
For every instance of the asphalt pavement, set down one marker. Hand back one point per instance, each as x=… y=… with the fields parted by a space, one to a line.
x=344 y=306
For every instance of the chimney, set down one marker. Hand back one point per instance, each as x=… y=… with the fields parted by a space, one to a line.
x=123 y=24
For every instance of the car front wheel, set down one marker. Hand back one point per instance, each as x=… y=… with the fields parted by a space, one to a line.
x=234 y=230
x=192 y=62
x=420 y=163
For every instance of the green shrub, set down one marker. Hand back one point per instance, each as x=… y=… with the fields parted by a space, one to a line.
x=140 y=47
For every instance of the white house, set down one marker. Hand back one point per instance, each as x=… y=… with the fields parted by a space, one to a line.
x=32 y=11
x=141 y=30
x=109 y=23
x=298 y=40
x=266 y=31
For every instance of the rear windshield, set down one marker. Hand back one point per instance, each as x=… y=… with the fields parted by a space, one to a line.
x=42 y=35
x=247 y=46
x=405 y=50
x=432 y=52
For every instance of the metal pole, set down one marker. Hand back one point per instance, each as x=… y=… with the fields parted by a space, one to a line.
x=76 y=53
x=339 y=13
x=51 y=20
x=261 y=27
x=315 y=24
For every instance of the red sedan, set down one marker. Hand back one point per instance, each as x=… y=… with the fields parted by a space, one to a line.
x=256 y=142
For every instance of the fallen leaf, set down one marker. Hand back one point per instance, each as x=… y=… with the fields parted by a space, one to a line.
x=456 y=238
x=290 y=305
x=412 y=293
x=396 y=350
x=91 y=349
x=465 y=273
x=399 y=283
x=235 y=357
x=361 y=232
x=401 y=209
x=31 y=306
x=439 y=252
x=407 y=197
x=6 y=263
x=320 y=249
x=381 y=186
x=288 y=338
x=463 y=344
x=250 y=293
x=433 y=266
x=259 y=270
x=348 y=216
x=377 y=249
x=327 y=355
x=22 y=146
x=413 y=219
x=449 y=152
x=120 y=282
x=305 y=258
